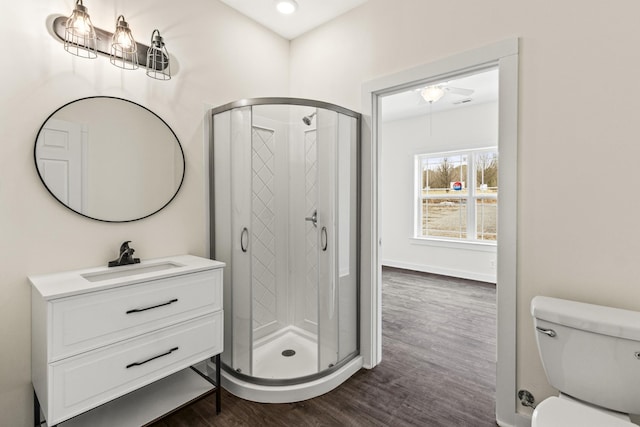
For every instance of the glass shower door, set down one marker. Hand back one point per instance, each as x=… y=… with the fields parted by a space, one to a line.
x=286 y=213
x=327 y=208
x=232 y=209
x=337 y=238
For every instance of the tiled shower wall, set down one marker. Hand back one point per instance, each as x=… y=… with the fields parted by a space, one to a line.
x=311 y=235
x=263 y=255
x=292 y=247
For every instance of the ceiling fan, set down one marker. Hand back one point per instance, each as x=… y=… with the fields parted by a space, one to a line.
x=434 y=93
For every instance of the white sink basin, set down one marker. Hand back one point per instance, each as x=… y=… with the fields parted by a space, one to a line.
x=129 y=270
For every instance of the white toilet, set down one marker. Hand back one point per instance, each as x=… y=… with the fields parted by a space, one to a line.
x=591 y=354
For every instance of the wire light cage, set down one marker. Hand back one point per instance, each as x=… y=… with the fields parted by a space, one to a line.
x=79 y=34
x=158 y=58
x=124 y=49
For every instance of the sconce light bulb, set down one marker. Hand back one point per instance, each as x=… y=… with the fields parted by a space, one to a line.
x=79 y=22
x=124 y=49
x=123 y=37
x=80 y=25
x=124 y=40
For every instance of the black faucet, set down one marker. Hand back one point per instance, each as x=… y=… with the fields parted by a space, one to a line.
x=126 y=256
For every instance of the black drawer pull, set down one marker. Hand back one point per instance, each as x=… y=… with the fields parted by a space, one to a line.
x=138 y=310
x=153 y=358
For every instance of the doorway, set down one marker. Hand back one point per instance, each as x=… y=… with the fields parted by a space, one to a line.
x=439 y=177
x=438 y=197
x=503 y=56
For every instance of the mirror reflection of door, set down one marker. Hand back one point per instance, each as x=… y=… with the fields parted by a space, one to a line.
x=60 y=160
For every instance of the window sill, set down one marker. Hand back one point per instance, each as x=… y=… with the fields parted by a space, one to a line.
x=455 y=244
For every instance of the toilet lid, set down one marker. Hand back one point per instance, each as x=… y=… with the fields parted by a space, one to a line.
x=556 y=412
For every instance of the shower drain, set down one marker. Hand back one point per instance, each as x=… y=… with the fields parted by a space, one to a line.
x=288 y=353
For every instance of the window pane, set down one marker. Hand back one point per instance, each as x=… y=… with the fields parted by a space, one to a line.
x=444 y=175
x=487 y=173
x=486 y=218
x=444 y=218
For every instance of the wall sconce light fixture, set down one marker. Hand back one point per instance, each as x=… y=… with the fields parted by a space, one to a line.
x=79 y=35
x=82 y=39
x=158 y=58
x=124 y=50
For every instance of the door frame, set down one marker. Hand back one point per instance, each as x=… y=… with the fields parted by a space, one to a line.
x=504 y=56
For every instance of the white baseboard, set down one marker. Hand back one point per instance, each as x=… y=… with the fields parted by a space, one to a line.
x=471 y=275
x=523 y=420
x=518 y=420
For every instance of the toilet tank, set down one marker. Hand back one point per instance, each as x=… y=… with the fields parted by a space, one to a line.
x=595 y=353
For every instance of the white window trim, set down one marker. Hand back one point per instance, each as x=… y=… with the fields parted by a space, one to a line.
x=471 y=245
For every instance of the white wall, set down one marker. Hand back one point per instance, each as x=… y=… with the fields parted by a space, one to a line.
x=573 y=127
x=222 y=57
x=473 y=126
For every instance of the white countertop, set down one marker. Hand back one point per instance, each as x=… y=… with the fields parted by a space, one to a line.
x=68 y=283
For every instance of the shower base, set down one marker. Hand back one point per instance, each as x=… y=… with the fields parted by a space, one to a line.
x=271 y=363
x=290 y=393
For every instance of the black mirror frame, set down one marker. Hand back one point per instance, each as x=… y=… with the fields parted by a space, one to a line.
x=184 y=164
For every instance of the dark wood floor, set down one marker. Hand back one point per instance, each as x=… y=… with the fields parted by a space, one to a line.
x=438 y=366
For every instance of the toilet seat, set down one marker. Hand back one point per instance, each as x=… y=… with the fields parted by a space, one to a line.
x=567 y=412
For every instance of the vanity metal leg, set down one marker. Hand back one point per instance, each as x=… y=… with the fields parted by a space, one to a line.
x=37 y=421
x=215 y=382
x=218 y=386
x=36 y=410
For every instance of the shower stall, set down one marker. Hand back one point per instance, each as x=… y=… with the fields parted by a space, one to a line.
x=285 y=220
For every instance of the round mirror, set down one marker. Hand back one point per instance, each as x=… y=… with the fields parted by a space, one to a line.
x=109 y=159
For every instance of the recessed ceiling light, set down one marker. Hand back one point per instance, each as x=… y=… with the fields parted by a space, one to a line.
x=286 y=6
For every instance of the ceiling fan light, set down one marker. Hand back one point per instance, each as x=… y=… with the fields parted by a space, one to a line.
x=432 y=94
x=286 y=7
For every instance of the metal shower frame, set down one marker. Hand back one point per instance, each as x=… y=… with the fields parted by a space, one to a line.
x=251 y=102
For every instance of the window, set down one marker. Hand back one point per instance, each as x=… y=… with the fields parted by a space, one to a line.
x=457 y=195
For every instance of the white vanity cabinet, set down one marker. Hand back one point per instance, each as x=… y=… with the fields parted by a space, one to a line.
x=102 y=333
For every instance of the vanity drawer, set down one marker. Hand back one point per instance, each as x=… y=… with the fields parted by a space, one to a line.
x=83 y=382
x=85 y=322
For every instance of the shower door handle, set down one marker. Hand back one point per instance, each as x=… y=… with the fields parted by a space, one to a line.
x=324 y=239
x=244 y=239
x=313 y=218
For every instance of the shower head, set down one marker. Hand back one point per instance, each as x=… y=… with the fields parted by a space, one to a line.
x=307 y=119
